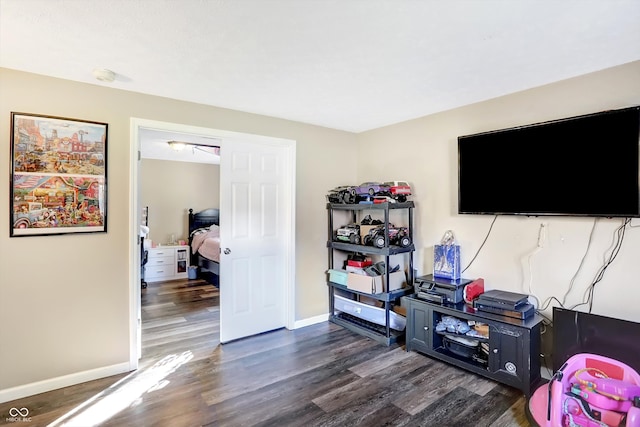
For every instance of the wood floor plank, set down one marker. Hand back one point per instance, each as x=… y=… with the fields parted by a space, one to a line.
x=319 y=375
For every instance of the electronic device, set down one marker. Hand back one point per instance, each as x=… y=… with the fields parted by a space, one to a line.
x=441 y=290
x=503 y=299
x=523 y=311
x=473 y=290
x=579 y=166
x=431 y=296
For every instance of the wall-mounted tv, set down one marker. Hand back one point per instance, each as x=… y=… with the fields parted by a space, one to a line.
x=578 y=166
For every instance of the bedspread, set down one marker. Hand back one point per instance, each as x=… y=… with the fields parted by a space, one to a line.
x=207 y=244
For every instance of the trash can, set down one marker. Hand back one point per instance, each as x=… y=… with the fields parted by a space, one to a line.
x=192 y=272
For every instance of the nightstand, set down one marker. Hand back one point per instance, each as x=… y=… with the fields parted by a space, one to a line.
x=167 y=263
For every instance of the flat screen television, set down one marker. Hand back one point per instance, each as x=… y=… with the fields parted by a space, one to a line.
x=579 y=166
x=577 y=332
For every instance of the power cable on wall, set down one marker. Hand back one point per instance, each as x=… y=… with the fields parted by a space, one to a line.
x=483 y=242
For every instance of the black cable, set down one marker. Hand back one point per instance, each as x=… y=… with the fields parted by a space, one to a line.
x=620 y=231
x=483 y=242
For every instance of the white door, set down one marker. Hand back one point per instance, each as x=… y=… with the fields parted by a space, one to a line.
x=254 y=237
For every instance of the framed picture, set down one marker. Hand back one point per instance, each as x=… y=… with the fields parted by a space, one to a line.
x=58 y=175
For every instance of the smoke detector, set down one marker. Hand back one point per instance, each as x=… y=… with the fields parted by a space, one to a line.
x=104 y=75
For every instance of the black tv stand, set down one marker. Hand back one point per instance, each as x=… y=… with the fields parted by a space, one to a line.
x=513 y=345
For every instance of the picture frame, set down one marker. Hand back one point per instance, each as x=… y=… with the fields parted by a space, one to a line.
x=58 y=175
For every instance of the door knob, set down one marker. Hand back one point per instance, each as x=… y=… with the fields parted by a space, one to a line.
x=227 y=251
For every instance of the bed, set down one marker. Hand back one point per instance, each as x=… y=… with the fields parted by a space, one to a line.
x=204 y=241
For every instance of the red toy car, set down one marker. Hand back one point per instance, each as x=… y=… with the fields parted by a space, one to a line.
x=399 y=190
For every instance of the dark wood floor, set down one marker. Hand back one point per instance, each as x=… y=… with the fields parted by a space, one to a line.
x=321 y=375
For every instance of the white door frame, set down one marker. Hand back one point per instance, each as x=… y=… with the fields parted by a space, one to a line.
x=134 y=218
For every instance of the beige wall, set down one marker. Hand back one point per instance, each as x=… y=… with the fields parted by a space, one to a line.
x=425 y=154
x=170 y=188
x=64 y=300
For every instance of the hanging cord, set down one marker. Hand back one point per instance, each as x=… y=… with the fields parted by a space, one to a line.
x=483 y=242
x=573 y=279
x=619 y=238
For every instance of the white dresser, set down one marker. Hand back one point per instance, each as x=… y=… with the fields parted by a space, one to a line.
x=167 y=263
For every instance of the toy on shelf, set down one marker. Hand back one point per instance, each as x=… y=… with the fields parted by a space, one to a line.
x=370 y=192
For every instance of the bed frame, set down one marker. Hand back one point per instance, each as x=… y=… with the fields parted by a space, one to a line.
x=209 y=270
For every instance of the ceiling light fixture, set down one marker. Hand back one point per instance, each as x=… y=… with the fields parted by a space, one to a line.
x=180 y=145
x=104 y=75
x=176 y=145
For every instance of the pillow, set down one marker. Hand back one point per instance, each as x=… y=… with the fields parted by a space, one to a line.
x=198 y=231
x=214 y=229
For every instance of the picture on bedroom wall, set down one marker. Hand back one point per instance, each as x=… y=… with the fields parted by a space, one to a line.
x=58 y=175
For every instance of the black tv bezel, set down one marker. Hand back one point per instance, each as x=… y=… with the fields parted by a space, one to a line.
x=635 y=214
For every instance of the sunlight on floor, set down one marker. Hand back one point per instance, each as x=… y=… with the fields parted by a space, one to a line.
x=123 y=394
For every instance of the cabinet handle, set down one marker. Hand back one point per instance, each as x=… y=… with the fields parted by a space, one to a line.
x=426 y=328
x=495 y=351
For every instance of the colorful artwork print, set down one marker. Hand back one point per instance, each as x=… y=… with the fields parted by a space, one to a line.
x=58 y=175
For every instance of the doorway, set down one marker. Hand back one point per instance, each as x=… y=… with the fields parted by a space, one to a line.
x=228 y=142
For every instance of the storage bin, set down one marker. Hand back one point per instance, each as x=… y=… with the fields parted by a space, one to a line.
x=369 y=313
x=338 y=276
x=192 y=272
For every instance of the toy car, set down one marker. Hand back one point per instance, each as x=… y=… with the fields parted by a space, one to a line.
x=384 y=199
x=399 y=190
x=349 y=233
x=342 y=194
x=369 y=189
x=398 y=236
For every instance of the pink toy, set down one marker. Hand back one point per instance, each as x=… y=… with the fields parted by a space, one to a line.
x=589 y=391
x=604 y=392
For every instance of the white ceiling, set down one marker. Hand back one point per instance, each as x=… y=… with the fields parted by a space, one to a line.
x=353 y=65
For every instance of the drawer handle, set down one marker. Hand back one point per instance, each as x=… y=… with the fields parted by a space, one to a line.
x=159 y=253
x=426 y=328
x=495 y=351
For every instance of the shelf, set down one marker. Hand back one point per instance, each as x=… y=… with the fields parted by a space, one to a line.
x=366 y=328
x=367 y=206
x=384 y=296
x=383 y=334
x=391 y=250
x=471 y=363
x=471 y=337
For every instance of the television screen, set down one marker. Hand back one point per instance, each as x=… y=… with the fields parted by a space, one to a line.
x=580 y=166
x=577 y=332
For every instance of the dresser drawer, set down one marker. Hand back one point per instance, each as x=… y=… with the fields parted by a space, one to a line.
x=160 y=260
x=164 y=252
x=158 y=272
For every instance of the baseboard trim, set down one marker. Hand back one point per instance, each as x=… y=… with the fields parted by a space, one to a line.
x=18 y=392
x=311 y=321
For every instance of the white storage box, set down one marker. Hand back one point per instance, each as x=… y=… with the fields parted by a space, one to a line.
x=369 y=312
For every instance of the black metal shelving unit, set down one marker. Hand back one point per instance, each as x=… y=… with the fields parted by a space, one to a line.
x=383 y=334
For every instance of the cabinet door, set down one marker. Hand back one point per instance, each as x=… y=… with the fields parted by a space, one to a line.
x=508 y=360
x=419 y=327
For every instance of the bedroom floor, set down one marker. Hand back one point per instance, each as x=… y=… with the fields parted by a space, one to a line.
x=321 y=375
